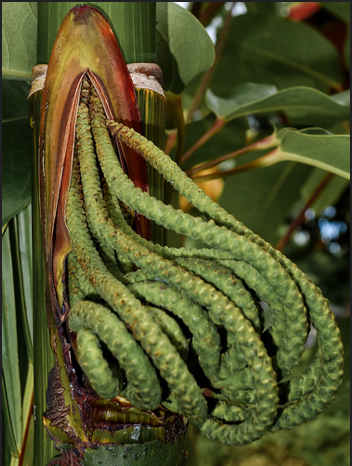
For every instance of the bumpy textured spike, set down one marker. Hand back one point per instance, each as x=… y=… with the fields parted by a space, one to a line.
x=75 y=291
x=171 y=328
x=208 y=232
x=205 y=337
x=218 y=305
x=96 y=368
x=122 y=301
x=226 y=282
x=124 y=344
x=206 y=288
x=288 y=334
x=315 y=302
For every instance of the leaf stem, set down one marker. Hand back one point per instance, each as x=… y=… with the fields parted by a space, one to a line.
x=264 y=161
x=264 y=143
x=299 y=218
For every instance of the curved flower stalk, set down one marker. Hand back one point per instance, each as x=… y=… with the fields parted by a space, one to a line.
x=162 y=330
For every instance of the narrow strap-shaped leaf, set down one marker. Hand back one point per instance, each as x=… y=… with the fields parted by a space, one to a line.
x=10 y=356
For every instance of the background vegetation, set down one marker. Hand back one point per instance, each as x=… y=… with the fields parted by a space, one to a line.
x=266 y=113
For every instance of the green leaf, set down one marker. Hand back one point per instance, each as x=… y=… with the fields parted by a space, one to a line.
x=19 y=39
x=9 y=447
x=303 y=105
x=184 y=48
x=10 y=361
x=270 y=49
x=16 y=150
x=262 y=199
x=16 y=165
x=24 y=224
x=329 y=152
x=14 y=98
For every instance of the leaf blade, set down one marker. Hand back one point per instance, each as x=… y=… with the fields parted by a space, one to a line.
x=11 y=372
x=329 y=152
x=303 y=105
x=19 y=39
x=182 y=42
x=278 y=51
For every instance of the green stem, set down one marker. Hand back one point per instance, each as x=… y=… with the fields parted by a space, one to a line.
x=262 y=144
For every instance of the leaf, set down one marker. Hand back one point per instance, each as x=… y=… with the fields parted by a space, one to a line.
x=303 y=105
x=19 y=39
x=270 y=49
x=24 y=222
x=184 y=48
x=16 y=165
x=16 y=149
x=329 y=152
x=262 y=199
x=10 y=361
x=14 y=98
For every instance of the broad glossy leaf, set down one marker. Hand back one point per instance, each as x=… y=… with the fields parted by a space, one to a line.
x=16 y=149
x=329 y=152
x=16 y=168
x=274 y=50
x=14 y=100
x=303 y=105
x=19 y=39
x=184 y=48
x=262 y=199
